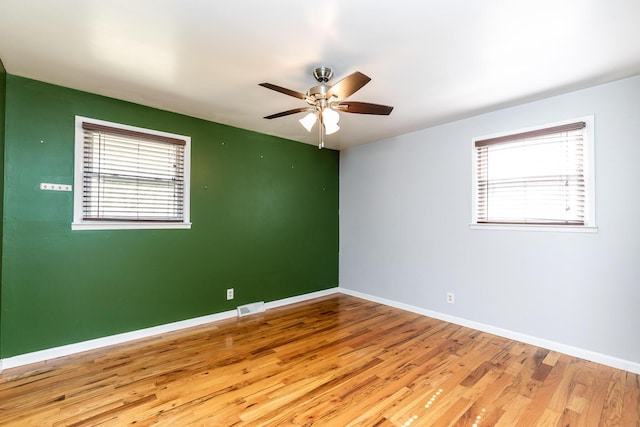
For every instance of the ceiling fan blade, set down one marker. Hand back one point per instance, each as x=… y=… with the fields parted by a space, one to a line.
x=364 y=108
x=284 y=90
x=349 y=85
x=289 y=112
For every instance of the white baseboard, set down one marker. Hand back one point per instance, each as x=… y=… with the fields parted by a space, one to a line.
x=592 y=356
x=301 y=298
x=67 y=350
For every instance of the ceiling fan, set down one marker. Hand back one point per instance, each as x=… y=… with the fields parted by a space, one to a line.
x=325 y=101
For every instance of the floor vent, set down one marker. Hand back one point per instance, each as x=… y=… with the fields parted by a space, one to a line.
x=245 y=310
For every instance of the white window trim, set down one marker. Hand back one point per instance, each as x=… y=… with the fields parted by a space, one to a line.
x=589 y=175
x=79 y=224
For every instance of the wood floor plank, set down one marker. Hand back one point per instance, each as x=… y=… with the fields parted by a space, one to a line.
x=513 y=410
x=333 y=361
x=612 y=410
x=536 y=409
x=631 y=407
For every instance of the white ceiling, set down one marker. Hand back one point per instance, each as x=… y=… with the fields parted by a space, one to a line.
x=433 y=60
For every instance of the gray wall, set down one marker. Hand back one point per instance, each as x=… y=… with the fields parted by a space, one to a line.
x=405 y=209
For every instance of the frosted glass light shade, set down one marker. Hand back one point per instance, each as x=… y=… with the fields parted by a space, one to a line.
x=330 y=117
x=330 y=128
x=308 y=121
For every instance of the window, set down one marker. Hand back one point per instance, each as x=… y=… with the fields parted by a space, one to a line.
x=128 y=177
x=536 y=178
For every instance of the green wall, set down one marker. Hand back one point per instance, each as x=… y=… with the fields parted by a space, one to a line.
x=264 y=213
x=3 y=85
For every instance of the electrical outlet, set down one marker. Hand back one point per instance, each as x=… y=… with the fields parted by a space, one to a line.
x=54 y=187
x=450 y=298
x=229 y=293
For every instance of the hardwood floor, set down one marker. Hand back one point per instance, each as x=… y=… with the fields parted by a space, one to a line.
x=334 y=361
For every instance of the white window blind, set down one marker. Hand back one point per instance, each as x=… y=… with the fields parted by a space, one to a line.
x=534 y=177
x=131 y=176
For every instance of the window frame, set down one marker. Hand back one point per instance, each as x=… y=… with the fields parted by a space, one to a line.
x=79 y=223
x=589 y=182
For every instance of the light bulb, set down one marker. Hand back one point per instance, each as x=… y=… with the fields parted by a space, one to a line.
x=308 y=121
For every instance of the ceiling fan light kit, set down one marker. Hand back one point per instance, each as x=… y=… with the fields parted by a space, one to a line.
x=325 y=101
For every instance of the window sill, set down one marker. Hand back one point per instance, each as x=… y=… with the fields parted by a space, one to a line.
x=130 y=225
x=536 y=227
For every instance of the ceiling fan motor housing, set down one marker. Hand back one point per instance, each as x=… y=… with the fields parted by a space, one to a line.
x=317 y=93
